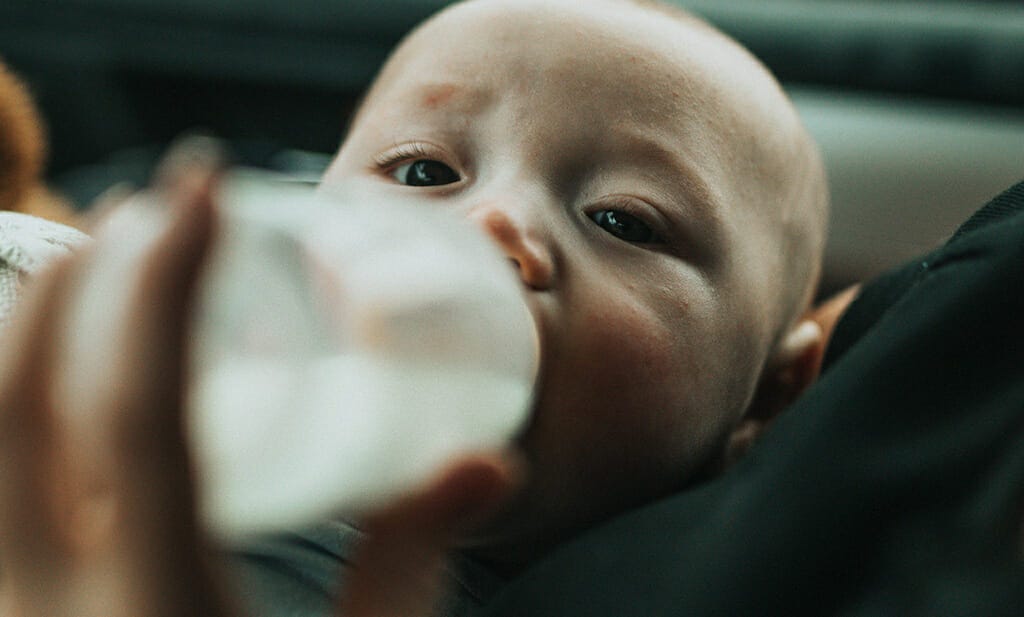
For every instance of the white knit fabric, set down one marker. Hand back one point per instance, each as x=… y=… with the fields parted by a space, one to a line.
x=27 y=243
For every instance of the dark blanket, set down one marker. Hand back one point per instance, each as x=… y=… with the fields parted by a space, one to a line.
x=893 y=487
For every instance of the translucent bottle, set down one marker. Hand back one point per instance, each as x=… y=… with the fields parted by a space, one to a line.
x=343 y=350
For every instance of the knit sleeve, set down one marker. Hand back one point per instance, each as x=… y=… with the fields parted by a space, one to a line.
x=27 y=244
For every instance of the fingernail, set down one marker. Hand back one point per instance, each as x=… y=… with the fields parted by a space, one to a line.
x=187 y=157
x=491 y=490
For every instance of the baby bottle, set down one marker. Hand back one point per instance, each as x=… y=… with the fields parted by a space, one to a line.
x=345 y=349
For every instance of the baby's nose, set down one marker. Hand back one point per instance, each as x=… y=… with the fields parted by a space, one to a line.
x=531 y=256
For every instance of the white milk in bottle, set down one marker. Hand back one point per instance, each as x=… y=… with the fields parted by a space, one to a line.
x=343 y=350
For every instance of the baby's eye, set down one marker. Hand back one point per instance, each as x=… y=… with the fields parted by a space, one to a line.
x=625 y=226
x=425 y=172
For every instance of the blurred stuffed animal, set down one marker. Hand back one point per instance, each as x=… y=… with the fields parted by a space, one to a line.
x=22 y=154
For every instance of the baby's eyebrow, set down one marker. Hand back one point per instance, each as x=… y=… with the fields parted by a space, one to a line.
x=700 y=199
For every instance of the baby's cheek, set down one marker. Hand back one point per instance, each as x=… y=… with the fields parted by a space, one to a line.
x=641 y=374
x=621 y=415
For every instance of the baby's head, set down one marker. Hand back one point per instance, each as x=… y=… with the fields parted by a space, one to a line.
x=666 y=212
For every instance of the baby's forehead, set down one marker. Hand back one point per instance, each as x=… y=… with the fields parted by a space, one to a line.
x=559 y=29
x=583 y=69
x=465 y=56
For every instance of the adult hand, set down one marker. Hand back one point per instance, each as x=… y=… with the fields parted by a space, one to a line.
x=96 y=504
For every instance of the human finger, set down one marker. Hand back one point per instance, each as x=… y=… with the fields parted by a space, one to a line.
x=148 y=559
x=153 y=477
x=398 y=568
x=33 y=506
x=152 y=545
x=103 y=207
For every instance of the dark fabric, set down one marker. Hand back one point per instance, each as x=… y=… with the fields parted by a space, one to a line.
x=299 y=574
x=895 y=486
x=1002 y=206
x=294 y=574
x=884 y=291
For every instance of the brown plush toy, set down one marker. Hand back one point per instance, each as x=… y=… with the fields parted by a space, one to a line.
x=22 y=155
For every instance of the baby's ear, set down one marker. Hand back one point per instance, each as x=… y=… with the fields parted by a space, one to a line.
x=793 y=367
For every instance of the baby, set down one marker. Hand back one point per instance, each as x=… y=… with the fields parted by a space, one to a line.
x=666 y=212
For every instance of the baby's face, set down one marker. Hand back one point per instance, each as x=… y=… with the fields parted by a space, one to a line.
x=604 y=152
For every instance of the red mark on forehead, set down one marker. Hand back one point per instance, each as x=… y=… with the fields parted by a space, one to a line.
x=435 y=96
